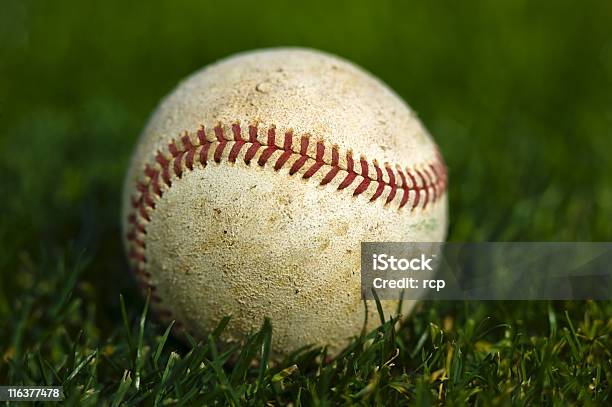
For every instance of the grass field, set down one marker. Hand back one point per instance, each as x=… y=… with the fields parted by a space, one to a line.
x=517 y=94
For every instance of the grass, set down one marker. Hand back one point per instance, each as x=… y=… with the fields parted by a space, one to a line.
x=457 y=353
x=516 y=94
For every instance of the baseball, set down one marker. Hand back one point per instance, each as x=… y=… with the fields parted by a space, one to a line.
x=253 y=185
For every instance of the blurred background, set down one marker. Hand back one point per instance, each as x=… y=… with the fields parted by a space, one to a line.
x=517 y=94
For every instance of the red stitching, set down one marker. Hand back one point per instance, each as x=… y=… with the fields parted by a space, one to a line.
x=236 y=130
x=303 y=156
x=366 y=180
x=204 y=154
x=178 y=165
x=425 y=187
x=351 y=172
x=381 y=183
x=174 y=151
x=221 y=145
x=392 y=183
x=334 y=164
x=288 y=152
x=137 y=256
x=255 y=144
x=318 y=161
x=404 y=187
x=238 y=144
x=432 y=175
x=202 y=136
x=271 y=147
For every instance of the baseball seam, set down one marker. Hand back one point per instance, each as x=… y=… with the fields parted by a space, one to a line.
x=421 y=184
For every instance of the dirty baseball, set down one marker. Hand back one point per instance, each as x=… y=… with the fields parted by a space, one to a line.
x=253 y=185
